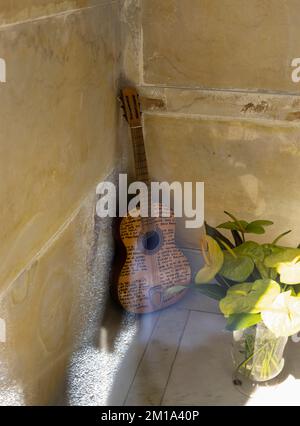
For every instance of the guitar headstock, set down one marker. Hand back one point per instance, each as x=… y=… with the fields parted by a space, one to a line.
x=131 y=106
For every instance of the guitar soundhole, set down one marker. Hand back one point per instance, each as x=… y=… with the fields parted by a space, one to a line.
x=151 y=241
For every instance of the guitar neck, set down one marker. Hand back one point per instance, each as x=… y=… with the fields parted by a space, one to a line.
x=140 y=158
x=141 y=172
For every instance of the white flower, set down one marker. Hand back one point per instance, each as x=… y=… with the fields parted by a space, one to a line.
x=283 y=316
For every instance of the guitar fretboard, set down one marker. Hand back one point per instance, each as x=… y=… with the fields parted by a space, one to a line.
x=140 y=158
x=141 y=171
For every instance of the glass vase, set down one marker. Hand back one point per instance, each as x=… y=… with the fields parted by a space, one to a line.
x=257 y=354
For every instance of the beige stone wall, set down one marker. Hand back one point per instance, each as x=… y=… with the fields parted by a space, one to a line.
x=220 y=104
x=13 y=11
x=59 y=131
x=220 y=107
x=229 y=44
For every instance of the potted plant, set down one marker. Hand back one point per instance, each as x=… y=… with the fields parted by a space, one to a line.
x=258 y=289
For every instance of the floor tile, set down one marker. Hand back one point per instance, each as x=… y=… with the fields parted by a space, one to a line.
x=153 y=373
x=202 y=370
x=130 y=347
x=195 y=301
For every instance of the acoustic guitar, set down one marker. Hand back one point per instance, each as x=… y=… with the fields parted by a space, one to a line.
x=149 y=261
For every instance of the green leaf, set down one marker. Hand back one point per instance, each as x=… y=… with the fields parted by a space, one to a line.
x=242 y=321
x=264 y=270
x=254 y=229
x=281 y=255
x=262 y=222
x=283 y=316
x=250 y=298
x=257 y=226
x=213 y=260
x=237 y=269
x=251 y=249
x=256 y=252
x=233 y=225
x=213 y=291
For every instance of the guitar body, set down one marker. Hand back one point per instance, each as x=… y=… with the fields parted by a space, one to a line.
x=152 y=265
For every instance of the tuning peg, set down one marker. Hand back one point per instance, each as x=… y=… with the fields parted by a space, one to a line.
x=120 y=100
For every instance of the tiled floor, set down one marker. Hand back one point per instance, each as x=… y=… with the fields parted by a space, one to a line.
x=179 y=356
x=187 y=360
